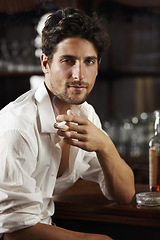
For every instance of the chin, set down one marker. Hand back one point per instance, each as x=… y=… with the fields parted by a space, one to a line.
x=78 y=102
x=74 y=100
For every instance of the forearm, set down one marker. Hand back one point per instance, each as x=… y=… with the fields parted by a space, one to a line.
x=40 y=232
x=47 y=232
x=119 y=177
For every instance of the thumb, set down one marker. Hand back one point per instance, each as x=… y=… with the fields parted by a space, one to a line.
x=69 y=112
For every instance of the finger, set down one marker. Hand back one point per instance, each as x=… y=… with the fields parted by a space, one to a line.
x=61 y=125
x=79 y=144
x=72 y=135
x=77 y=128
x=70 y=118
x=69 y=112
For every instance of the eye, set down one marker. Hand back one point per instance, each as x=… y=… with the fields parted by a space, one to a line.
x=68 y=61
x=90 y=61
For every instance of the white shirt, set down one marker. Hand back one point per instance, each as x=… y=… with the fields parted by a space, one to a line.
x=29 y=160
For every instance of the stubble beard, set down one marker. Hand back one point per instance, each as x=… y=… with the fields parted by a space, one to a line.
x=72 y=100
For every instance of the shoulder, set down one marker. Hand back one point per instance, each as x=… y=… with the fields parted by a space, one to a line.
x=19 y=112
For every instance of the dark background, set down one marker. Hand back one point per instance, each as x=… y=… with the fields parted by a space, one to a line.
x=128 y=86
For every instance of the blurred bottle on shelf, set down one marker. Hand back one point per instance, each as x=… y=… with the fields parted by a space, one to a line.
x=131 y=135
x=154 y=156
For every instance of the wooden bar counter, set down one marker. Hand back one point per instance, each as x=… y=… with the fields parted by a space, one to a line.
x=84 y=208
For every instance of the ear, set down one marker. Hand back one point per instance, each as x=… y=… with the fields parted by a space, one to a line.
x=44 y=63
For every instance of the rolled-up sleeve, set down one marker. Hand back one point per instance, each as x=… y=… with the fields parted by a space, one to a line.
x=20 y=198
x=94 y=172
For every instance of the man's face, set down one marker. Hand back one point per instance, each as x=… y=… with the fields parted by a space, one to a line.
x=72 y=72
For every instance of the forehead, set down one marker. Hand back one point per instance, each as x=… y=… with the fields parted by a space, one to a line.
x=76 y=47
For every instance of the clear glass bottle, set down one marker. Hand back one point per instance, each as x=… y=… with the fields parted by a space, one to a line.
x=154 y=156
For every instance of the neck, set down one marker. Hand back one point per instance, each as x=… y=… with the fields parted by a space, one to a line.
x=59 y=107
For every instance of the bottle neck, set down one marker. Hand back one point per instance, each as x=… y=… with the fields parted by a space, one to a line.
x=157 y=126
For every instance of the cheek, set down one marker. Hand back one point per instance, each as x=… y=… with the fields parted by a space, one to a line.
x=64 y=73
x=92 y=85
x=92 y=74
x=93 y=71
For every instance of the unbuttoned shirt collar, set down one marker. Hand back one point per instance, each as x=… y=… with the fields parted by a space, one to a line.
x=46 y=113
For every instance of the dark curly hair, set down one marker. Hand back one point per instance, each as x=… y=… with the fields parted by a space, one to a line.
x=70 y=23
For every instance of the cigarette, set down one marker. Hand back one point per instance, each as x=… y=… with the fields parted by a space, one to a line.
x=57 y=125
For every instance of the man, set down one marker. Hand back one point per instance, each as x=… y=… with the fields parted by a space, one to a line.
x=40 y=158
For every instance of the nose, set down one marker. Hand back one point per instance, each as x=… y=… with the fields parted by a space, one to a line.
x=78 y=72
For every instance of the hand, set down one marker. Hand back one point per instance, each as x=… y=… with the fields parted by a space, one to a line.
x=80 y=132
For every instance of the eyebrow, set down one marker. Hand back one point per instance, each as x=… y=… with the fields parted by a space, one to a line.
x=92 y=57
x=73 y=57
x=68 y=56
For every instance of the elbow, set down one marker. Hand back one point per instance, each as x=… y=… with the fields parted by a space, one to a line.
x=124 y=198
x=129 y=190
x=129 y=193
x=128 y=197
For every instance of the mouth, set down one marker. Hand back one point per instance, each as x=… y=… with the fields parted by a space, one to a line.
x=77 y=87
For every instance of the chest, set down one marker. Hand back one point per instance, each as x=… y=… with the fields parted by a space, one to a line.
x=64 y=162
